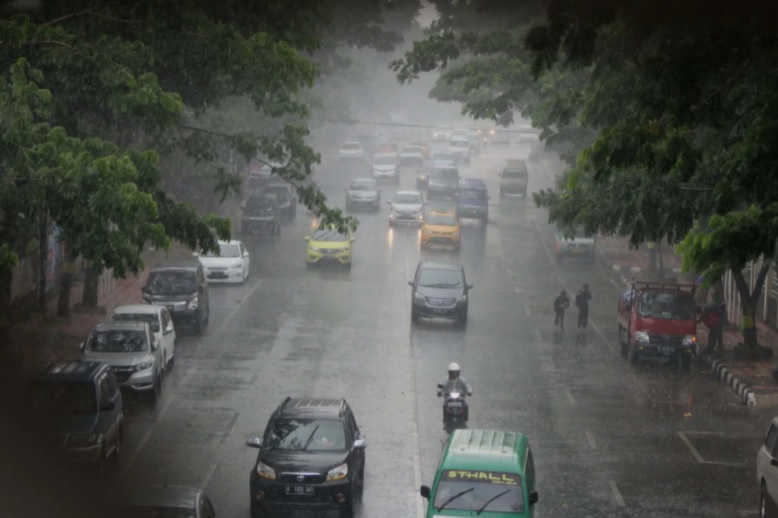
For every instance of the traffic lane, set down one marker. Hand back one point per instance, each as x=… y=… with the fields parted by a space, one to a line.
x=283 y=341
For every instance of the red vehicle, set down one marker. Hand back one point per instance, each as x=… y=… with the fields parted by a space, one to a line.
x=658 y=320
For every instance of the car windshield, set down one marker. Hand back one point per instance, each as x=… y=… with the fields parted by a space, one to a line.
x=443 y=157
x=329 y=234
x=63 y=398
x=385 y=160
x=171 y=283
x=281 y=191
x=157 y=512
x=150 y=318
x=256 y=183
x=407 y=198
x=351 y=146
x=442 y=219
x=465 y=194
x=117 y=341
x=459 y=143
x=314 y=435
x=468 y=490
x=225 y=250
x=666 y=305
x=440 y=278
x=362 y=185
x=509 y=173
x=445 y=173
x=259 y=203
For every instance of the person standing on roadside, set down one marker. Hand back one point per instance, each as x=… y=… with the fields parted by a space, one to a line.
x=714 y=317
x=582 y=302
x=561 y=303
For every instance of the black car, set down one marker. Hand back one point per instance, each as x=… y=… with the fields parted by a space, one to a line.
x=261 y=215
x=286 y=199
x=180 y=286
x=165 y=501
x=312 y=456
x=440 y=290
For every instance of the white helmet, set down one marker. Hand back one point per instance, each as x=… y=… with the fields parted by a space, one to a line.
x=453 y=367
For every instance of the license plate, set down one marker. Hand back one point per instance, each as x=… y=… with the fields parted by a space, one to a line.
x=668 y=351
x=440 y=311
x=217 y=275
x=455 y=404
x=300 y=490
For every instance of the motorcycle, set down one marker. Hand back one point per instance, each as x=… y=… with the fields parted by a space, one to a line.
x=455 y=409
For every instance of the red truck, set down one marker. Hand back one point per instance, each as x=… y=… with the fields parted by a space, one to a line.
x=658 y=320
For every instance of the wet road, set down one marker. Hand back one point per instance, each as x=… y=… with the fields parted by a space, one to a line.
x=609 y=439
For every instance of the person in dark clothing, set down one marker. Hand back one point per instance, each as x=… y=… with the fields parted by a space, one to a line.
x=582 y=301
x=561 y=303
x=714 y=317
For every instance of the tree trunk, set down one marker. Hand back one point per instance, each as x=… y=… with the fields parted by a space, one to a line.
x=748 y=302
x=91 y=278
x=68 y=269
x=6 y=275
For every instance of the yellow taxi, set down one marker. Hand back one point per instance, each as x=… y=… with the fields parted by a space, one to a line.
x=441 y=228
x=425 y=148
x=328 y=245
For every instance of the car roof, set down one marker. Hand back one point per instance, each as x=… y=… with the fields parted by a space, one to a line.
x=120 y=326
x=312 y=407
x=488 y=450
x=472 y=183
x=407 y=192
x=145 y=309
x=440 y=265
x=178 y=265
x=162 y=496
x=73 y=371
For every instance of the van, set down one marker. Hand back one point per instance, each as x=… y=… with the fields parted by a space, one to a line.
x=514 y=178
x=487 y=472
x=473 y=199
x=443 y=182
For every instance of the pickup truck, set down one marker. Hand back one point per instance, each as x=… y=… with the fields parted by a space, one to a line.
x=658 y=320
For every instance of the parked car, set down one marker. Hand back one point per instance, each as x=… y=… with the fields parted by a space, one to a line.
x=767 y=472
x=407 y=208
x=78 y=413
x=440 y=290
x=286 y=199
x=230 y=264
x=329 y=245
x=385 y=166
x=261 y=215
x=363 y=192
x=311 y=457
x=181 y=287
x=166 y=501
x=351 y=150
x=158 y=319
x=130 y=349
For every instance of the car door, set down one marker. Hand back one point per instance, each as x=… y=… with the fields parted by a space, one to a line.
x=354 y=431
x=167 y=333
x=110 y=410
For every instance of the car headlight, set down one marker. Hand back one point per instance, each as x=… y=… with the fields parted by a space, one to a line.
x=641 y=337
x=392 y=215
x=314 y=249
x=236 y=266
x=193 y=304
x=265 y=471
x=338 y=473
x=689 y=340
x=147 y=363
x=463 y=298
x=81 y=440
x=418 y=296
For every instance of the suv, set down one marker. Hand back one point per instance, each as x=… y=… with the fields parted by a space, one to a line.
x=132 y=351
x=286 y=199
x=183 y=289
x=260 y=214
x=767 y=472
x=443 y=182
x=312 y=456
x=78 y=409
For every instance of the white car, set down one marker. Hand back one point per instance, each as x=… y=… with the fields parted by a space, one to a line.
x=231 y=264
x=767 y=471
x=159 y=321
x=460 y=148
x=407 y=208
x=386 y=166
x=351 y=150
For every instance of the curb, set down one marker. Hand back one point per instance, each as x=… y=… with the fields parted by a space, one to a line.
x=722 y=373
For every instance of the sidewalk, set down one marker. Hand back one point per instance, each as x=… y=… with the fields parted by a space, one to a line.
x=751 y=379
x=43 y=339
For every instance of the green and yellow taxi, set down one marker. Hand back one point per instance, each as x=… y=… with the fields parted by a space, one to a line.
x=486 y=473
x=441 y=228
x=329 y=245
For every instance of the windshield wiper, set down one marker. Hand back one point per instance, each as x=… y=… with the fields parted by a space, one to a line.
x=308 y=442
x=454 y=497
x=492 y=499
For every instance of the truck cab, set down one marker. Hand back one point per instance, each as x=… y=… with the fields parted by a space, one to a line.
x=658 y=320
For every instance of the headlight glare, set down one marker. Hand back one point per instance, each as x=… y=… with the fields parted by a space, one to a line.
x=418 y=296
x=641 y=337
x=338 y=473
x=689 y=340
x=193 y=304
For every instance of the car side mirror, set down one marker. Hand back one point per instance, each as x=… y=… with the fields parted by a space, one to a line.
x=424 y=491
x=533 y=498
x=154 y=345
x=307 y=238
x=245 y=254
x=108 y=406
x=82 y=346
x=470 y=286
x=254 y=442
x=360 y=444
x=410 y=283
x=195 y=254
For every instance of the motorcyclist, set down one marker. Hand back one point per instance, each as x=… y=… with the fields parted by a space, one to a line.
x=455 y=383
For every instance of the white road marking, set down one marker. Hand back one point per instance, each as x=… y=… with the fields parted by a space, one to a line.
x=700 y=458
x=616 y=494
x=590 y=440
x=207 y=478
x=691 y=447
x=602 y=337
x=235 y=310
x=570 y=397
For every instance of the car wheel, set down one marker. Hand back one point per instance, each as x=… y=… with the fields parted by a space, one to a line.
x=414 y=316
x=685 y=363
x=347 y=265
x=118 y=446
x=763 y=501
x=634 y=355
x=199 y=325
x=622 y=342
x=360 y=485
x=100 y=466
x=462 y=320
x=156 y=390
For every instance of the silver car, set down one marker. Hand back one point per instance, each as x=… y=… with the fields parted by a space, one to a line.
x=363 y=192
x=407 y=208
x=132 y=351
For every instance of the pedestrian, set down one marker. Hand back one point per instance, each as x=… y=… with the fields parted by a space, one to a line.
x=715 y=317
x=582 y=302
x=561 y=303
